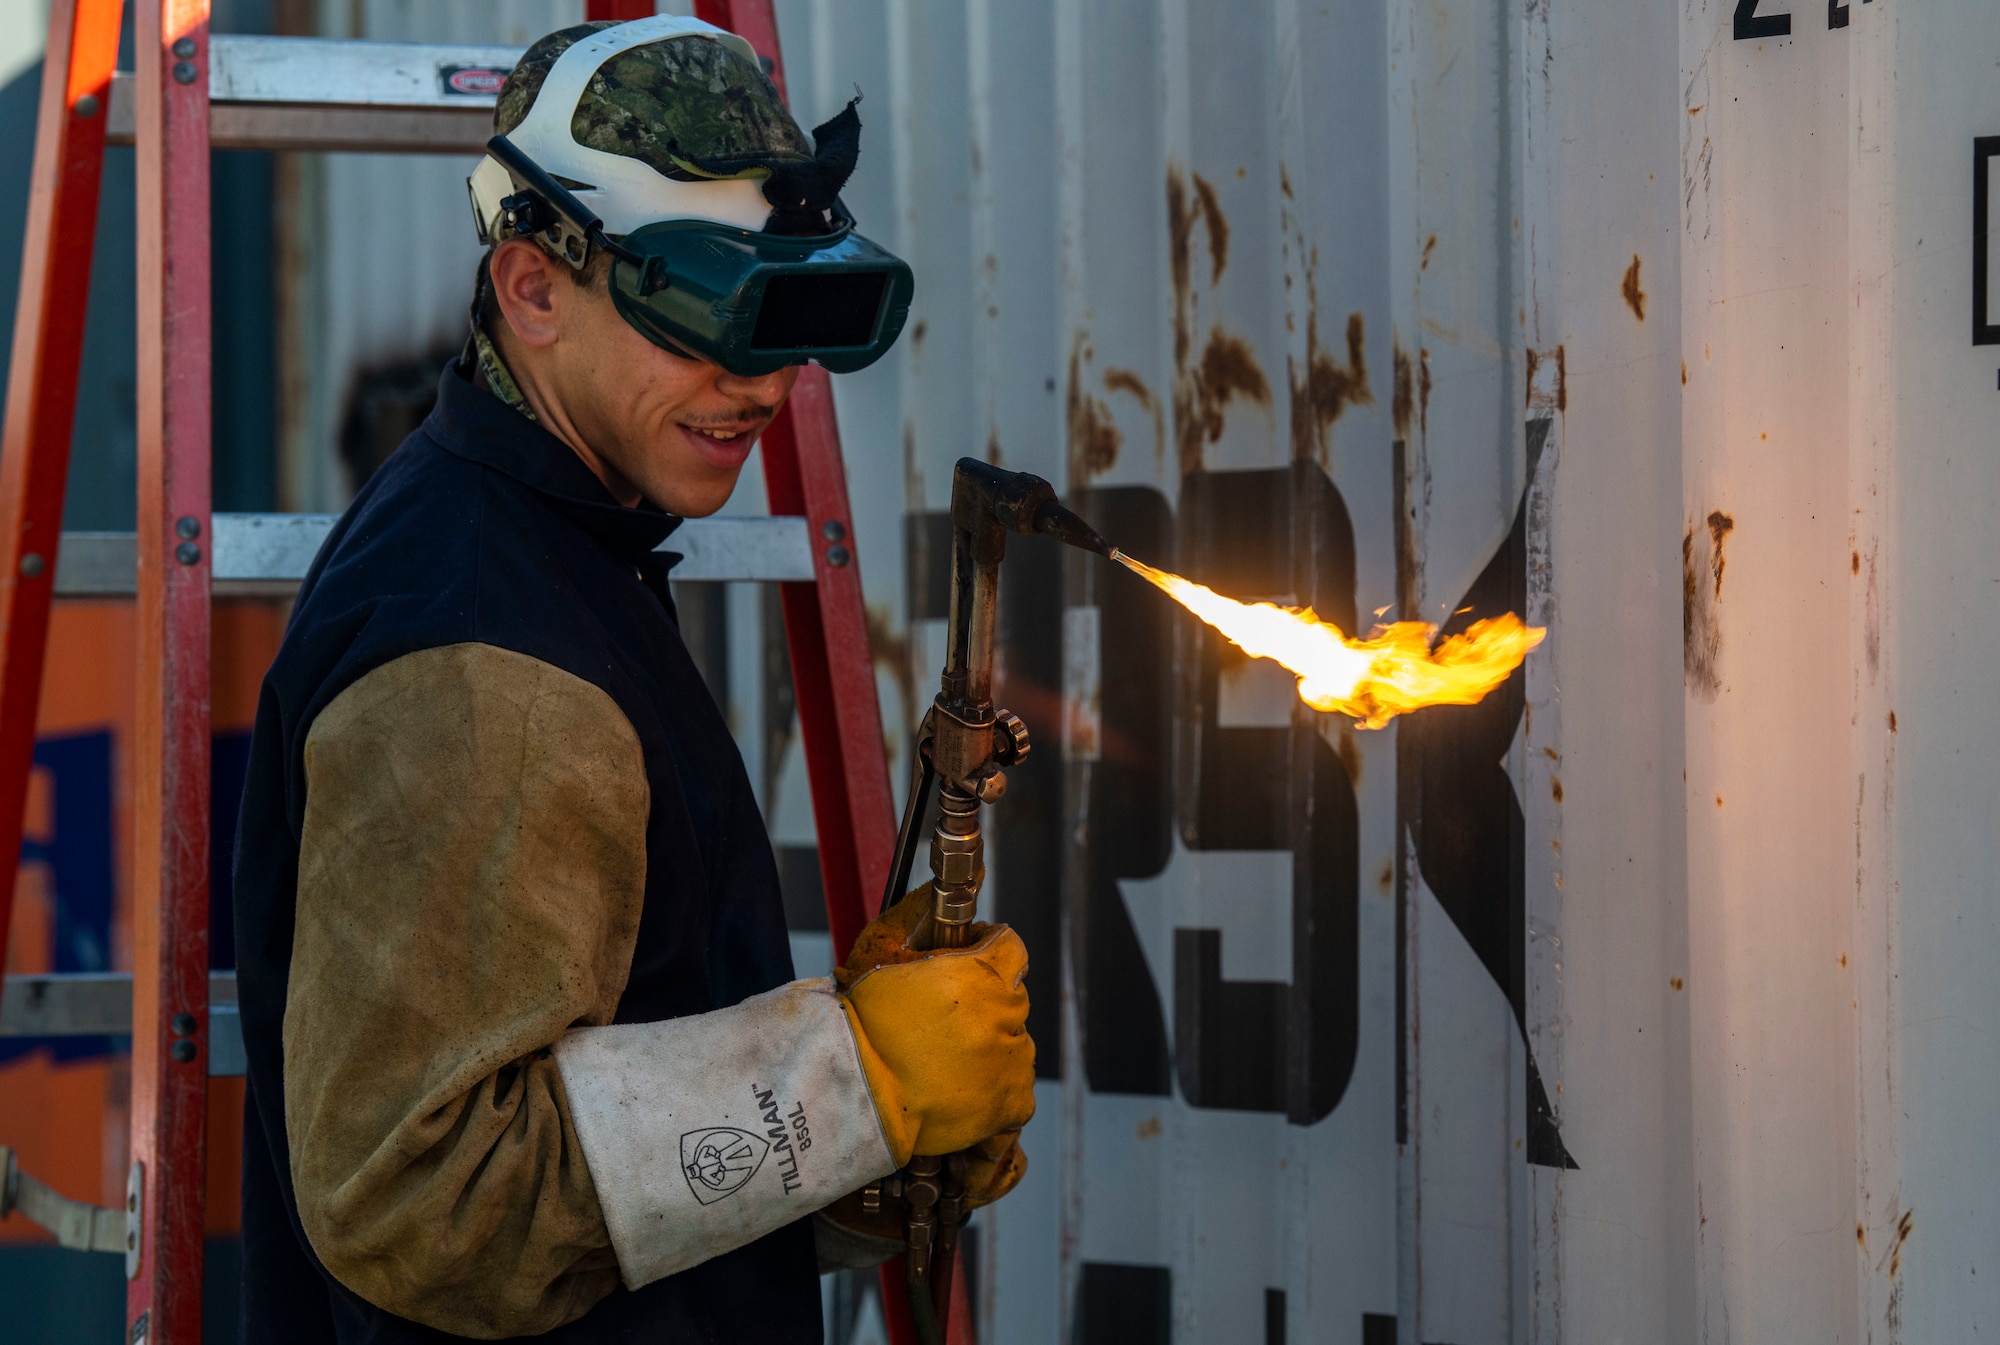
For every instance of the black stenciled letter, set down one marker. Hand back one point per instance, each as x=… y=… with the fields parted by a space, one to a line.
x=1750 y=24
x=1277 y=1046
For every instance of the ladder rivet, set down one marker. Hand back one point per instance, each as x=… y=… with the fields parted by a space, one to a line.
x=184 y=72
x=182 y=1050
x=188 y=528
x=187 y=553
x=832 y=530
x=184 y=48
x=836 y=556
x=86 y=106
x=183 y=1025
x=31 y=565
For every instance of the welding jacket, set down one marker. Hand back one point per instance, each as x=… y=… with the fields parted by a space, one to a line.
x=525 y=1053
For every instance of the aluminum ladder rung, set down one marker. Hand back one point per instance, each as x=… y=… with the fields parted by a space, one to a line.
x=311 y=93
x=263 y=555
x=94 y=1004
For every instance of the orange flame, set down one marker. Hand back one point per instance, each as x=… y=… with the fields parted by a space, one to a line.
x=1391 y=672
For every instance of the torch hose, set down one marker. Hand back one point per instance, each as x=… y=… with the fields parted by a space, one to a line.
x=923 y=1316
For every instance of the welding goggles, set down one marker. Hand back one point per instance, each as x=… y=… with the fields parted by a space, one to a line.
x=749 y=301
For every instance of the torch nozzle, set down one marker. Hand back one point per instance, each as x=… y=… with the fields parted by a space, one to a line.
x=1063 y=525
x=985 y=496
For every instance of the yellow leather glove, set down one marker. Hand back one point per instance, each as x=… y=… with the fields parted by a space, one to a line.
x=943 y=1037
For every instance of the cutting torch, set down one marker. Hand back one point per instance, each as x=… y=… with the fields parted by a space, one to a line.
x=964 y=745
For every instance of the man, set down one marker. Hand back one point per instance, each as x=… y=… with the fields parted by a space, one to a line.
x=526 y=1057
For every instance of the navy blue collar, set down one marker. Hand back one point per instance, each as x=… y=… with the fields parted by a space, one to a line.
x=473 y=424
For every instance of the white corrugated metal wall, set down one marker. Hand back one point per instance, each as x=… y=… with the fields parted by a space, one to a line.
x=1655 y=320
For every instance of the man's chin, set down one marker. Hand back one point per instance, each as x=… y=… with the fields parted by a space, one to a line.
x=685 y=499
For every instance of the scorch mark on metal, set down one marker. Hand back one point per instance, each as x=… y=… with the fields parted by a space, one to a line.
x=1548 y=380
x=1702 y=564
x=1402 y=396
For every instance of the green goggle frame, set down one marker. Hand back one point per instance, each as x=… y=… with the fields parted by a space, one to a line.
x=756 y=302
x=748 y=301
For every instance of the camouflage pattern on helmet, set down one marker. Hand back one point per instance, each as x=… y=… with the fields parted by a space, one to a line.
x=688 y=107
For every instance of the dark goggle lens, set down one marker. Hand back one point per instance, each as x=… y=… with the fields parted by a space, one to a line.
x=754 y=302
x=819 y=312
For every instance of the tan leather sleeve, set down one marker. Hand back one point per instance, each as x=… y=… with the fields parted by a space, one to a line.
x=470 y=879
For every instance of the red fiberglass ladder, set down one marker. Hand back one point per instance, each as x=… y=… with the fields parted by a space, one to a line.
x=181 y=101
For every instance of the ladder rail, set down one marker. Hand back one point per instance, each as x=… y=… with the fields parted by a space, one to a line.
x=170 y=805
x=42 y=382
x=266 y=555
x=311 y=93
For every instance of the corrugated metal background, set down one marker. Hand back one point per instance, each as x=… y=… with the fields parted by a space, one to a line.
x=1648 y=1000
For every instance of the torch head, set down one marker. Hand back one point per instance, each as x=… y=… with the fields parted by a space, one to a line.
x=984 y=497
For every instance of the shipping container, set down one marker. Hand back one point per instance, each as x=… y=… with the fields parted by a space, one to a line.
x=1640 y=1002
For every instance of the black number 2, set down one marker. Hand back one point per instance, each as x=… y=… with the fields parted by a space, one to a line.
x=1750 y=24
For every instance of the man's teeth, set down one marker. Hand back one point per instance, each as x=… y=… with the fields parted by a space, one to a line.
x=724 y=435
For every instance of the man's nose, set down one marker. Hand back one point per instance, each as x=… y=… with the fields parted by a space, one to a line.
x=767 y=390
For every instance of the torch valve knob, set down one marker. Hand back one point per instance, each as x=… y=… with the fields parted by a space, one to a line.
x=1010 y=738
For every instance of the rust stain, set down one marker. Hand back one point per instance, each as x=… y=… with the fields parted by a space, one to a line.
x=1327 y=387
x=1892 y=721
x=1093 y=437
x=1558 y=399
x=1402 y=396
x=1718 y=800
x=1149 y=1128
x=1424 y=391
x=1227 y=368
x=1430 y=246
x=1684 y=373
x=1635 y=298
x=1556 y=788
x=1871 y=617
x=917 y=330
x=1904 y=1227
x=1180 y=240
x=1350 y=756
x=993 y=447
x=1860 y=1235
x=1129 y=383
x=1843 y=961
x=1387 y=879
x=1216 y=224
x=1854 y=562
x=1124 y=380
x=1676 y=983
x=1702 y=564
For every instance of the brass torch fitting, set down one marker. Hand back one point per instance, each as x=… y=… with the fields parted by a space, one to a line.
x=958 y=866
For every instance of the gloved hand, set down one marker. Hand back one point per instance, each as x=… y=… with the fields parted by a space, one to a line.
x=943 y=1041
x=992 y=1169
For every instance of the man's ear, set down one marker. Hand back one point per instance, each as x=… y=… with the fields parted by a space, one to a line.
x=524 y=283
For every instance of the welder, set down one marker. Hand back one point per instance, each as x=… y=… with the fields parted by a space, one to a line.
x=527 y=1057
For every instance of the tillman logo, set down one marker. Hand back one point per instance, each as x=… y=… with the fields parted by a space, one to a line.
x=719 y=1160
